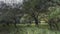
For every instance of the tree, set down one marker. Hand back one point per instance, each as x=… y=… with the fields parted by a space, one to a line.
x=54 y=17
x=35 y=7
x=10 y=14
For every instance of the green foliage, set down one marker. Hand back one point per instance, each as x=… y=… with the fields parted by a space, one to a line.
x=54 y=12
x=36 y=5
x=26 y=30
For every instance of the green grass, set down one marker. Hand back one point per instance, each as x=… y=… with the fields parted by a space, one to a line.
x=27 y=29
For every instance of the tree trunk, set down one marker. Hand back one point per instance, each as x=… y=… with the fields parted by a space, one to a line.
x=15 y=22
x=53 y=24
x=15 y=25
x=56 y=25
x=7 y=23
x=36 y=20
